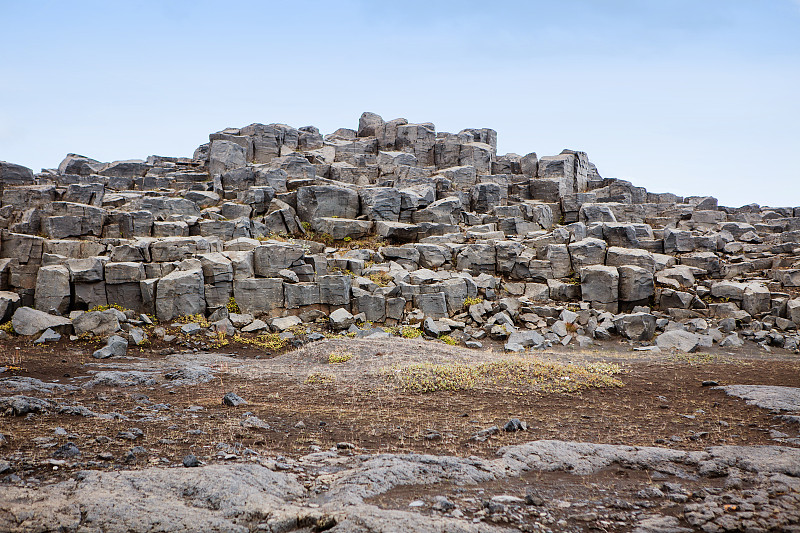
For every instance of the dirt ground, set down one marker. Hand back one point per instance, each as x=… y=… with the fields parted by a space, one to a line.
x=662 y=402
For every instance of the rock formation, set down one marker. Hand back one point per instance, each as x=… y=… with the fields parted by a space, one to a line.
x=394 y=223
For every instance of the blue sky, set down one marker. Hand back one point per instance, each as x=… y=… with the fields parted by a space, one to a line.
x=694 y=97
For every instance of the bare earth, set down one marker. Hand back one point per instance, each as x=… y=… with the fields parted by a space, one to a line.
x=307 y=420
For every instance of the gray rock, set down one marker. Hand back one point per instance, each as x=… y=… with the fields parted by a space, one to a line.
x=22 y=405
x=341 y=319
x=213 y=498
x=52 y=289
x=180 y=293
x=28 y=322
x=682 y=341
x=190 y=461
x=767 y=396
x=284 y=323
x=599 y=283
x=9 y=302
x=48 y=336
x=635 y=283
x=636 y=326
x=97 y=323
x=731 y=341
x=233 y=400
x=326 y=201
x=116 y=346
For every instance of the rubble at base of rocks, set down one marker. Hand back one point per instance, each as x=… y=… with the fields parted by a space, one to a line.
x=390 y=223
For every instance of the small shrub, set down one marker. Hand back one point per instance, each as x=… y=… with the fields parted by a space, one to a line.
x=232 y=306
x=8 y=327
x=339 y=357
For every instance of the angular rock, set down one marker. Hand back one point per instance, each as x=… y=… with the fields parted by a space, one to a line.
x=28 y=322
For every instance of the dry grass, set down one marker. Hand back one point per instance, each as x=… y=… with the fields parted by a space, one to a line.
x=511 y=375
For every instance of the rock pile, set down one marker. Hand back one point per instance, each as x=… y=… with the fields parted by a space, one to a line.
x=392 y=223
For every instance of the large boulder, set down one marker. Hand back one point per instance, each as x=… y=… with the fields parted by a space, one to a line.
x=635 y=283
x=224 y=156
x=586 y=252
x=258 y=295
x=270 y=259
x=381 y=203
x=28 y=322
x=97 y=323
x=9 y=302
x=680 y=340
x=13 y=174
x=180 y=293
x=636 y=326
x=600 y=284
x=326 y=201
x=52 y=289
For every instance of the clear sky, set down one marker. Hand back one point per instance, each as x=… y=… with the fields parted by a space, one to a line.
x=696 y=97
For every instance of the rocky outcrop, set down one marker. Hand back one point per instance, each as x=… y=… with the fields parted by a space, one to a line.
x=268 y=215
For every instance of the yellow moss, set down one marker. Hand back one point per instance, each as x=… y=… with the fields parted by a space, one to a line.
x=267 y=341
x=107 y=307
x=339 y=357
x=447 y=339
x=193 y=319
x=7 y=327
x=410 y=332
x=472 y=301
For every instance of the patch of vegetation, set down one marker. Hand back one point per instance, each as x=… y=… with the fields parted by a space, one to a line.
x=193 y=319
x=472 y=301
x=107 y=307
x=381 y=278
x=232 y=306
x=447 y=339
x=8 y=327
x=299 y=329
x=219 y=339
x=410 y=332
x=699 y=358
x=267 y=341
x=518 y=376
x=339 y=357
x=320 y=378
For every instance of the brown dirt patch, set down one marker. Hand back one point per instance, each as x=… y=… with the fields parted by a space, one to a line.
x=662 y=403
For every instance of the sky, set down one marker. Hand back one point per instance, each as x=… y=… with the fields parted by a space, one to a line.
x=694 y=97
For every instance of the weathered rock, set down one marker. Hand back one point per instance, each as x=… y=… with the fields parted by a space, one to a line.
x=636 y=326
x=599 y=283
x=116 y=346
x=97 y=323
x=679 y=340
x=27 y=321
x=52 y=289
x=180 y=293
